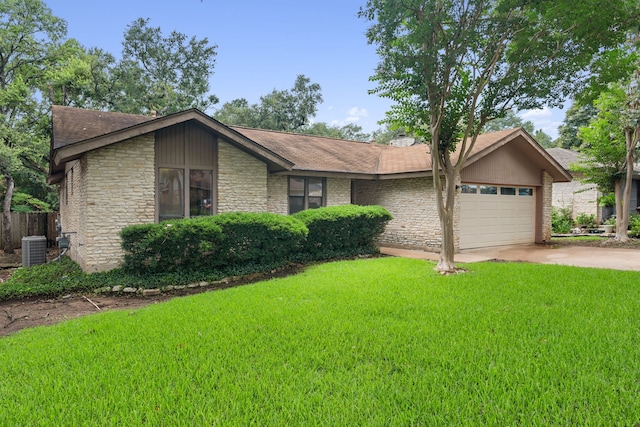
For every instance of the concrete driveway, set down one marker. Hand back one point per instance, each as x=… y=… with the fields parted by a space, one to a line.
x=579 y=256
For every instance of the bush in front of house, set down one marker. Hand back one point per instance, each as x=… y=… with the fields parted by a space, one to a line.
x=210 y=243
x=634 y=226
x=169 y=246
x=340 y=231
x=561 y=221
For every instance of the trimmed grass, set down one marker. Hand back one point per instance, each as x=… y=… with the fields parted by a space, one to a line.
x=370 y=342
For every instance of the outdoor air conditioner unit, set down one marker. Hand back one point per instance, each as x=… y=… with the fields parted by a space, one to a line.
x=34 y=250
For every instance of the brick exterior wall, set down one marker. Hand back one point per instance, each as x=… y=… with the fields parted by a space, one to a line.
x=72 y=193
x=108 y=190
x=242 y=181
x=277 y=197
x=578 y=197
x=338 y=191
x=547 y=206
x=412 y=202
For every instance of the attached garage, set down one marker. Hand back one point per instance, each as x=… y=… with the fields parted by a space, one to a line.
x=493 y=215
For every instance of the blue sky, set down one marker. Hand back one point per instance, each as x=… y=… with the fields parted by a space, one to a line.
x=263 y=45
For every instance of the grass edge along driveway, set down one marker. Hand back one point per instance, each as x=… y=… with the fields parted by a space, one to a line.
x=382 y=341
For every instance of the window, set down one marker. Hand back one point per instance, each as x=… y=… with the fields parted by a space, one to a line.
x=305 y=193
x=171 y=190
x=525 y=191
x=468 y=189
x=185 y=161
x=488 y=189
x=508 y=191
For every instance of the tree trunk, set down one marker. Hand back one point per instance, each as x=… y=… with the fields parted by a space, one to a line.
x=445 y=204
x=446 y=264
x=622 y=218
x=6 y=216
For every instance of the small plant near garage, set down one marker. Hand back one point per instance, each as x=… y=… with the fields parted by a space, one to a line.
x=561 y=221
x=584 y=220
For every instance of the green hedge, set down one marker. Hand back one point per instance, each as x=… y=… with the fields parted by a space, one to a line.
x=247 y=240
x=340 y=231
x=209 y=243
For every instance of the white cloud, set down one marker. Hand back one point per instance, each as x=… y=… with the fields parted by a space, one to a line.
x=547 y=119
x=357 y=112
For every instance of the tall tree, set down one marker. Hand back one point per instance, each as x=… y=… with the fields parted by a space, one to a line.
x=284 y=110
x=451 y=67
x=29 y=38
x=162 y=74
x=576 y=117
x=350 y=131
x=603 y=149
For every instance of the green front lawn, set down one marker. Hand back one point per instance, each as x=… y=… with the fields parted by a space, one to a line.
x=378 y=342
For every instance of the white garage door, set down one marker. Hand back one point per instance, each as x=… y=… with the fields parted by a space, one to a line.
x=496 y=215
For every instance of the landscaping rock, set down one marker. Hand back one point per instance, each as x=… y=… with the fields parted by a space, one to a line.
x=117 y=288
x=129 y=290
x=150 y=292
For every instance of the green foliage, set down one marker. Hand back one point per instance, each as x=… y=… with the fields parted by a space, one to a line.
x=281 y=110
x=350 y=131
x=340 y=231
x=586 y=220
x=23 y=202
x=634 y=226
x=164 y=74
x=210 y=243
x=375 y=342
x=51 y=279
x=561 y=221
x=607 y=200
x=576 y=117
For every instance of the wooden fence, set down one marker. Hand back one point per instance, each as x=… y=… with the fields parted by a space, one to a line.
x=30 y=224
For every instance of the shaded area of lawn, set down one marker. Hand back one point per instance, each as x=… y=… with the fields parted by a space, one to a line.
x=371 y=342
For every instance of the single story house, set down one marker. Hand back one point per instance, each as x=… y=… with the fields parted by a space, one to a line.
x=575 y=195
x=582 y=197
x=115 y=169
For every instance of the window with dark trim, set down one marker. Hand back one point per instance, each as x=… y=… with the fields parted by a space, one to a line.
x=185 y=160
x=306 y=193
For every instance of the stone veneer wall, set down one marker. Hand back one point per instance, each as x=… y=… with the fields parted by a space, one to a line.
x=72 y=193
x=120 y=191
x=338 y=191
x=412 y=203
x=242 y=181
x=578 y=197
x=547 y=205
x=278 y=199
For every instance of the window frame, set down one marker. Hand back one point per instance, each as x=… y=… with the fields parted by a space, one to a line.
x=182 y=149
x=306 y=196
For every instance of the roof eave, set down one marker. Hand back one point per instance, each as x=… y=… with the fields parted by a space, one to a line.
x=74 y=151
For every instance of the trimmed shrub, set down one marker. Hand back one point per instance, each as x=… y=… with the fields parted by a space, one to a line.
x=170 y=245
x=340 y=231
x=209 y=243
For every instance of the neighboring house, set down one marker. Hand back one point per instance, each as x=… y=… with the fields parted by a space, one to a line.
x=577 y=196
x=584 y=197
x=114 y=170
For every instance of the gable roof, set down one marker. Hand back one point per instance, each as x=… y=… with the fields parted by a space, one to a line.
x=77 y=131
x=311 y=153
